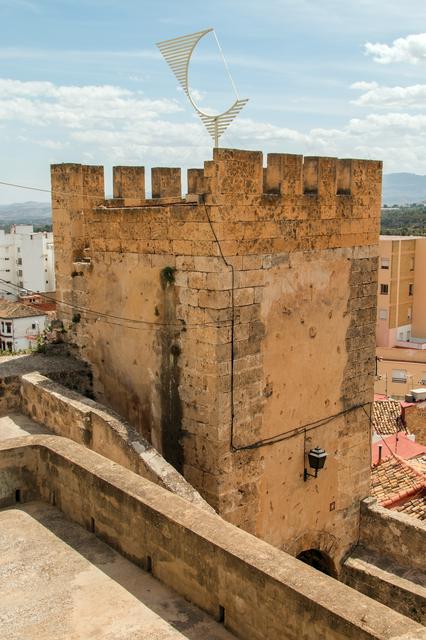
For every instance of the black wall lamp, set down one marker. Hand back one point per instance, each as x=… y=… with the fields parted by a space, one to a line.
x=317 y=458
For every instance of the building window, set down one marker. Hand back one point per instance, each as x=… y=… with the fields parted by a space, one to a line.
x=384 y=263
x=33 y=326
x=384 y=289
x=410 y=289
x=19 y=261
x=8 y=327
x=409 y=313
x=383 y=314
x=399 y=375
x=20 y=273
x=411 y=264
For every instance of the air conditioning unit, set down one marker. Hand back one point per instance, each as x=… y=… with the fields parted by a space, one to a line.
x=418 y=394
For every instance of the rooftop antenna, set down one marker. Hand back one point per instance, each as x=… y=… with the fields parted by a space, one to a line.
x=177 y=53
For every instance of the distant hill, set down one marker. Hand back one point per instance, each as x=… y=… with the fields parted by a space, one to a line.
x=37 y=213
x=403 y=188
x=398 y=188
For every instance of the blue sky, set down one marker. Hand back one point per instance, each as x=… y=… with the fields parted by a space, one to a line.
x=82 y=81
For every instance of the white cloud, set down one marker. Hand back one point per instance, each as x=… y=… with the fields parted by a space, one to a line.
x=46 y=104
x=376 y=96
x=112 y=124
x=364 y=86
x=411 y=49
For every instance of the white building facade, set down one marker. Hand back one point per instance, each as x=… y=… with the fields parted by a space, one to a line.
x=20 y=326
x=27 y=261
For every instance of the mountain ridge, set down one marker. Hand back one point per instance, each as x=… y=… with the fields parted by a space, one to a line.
x=403 y=188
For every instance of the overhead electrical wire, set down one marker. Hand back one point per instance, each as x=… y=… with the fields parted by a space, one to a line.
x=102 y=315
x=409 y=476
x=105 y=317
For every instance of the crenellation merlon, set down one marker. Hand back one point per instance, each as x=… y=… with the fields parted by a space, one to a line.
x=312 y=203
x=129 y=182
x=196 y=182
x=166 y=182
x=232 y=173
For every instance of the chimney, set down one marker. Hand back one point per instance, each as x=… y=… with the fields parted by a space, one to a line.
x=380 y=454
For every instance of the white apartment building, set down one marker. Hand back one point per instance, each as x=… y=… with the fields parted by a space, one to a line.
x=27 y=261
x=20 y=326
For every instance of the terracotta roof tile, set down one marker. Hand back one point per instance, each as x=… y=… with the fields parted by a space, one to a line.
x=386 y=417
x=17 y=310
x=391 y=477
x=398 y=486
x=416 y=506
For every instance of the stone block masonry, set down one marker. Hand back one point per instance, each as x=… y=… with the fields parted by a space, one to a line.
x=258 y=592
x=234 y=327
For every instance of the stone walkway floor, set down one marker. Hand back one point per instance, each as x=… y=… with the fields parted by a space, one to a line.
x=16 y=425
x=60 y=582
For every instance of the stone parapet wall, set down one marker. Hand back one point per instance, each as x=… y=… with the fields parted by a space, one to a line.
x=69 y=372
x=388 y=564
x=71 y=415
x=235 y=327
x=258 y=591
x=400 y=537
x=399 y=587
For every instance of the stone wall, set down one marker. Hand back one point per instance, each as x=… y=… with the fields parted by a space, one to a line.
x=415 y=421
x=70 y=372
x=234 y=328
x=401 y=537
x=389 y=562
x=259 y=592
x=71 y=415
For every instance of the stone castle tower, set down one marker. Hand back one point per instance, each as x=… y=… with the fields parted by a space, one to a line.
x=234 y=327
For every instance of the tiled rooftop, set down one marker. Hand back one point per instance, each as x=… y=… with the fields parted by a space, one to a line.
x=386 y=418
x=416 y=506
x=391 y=478
x=397 y=485
x=17 y=310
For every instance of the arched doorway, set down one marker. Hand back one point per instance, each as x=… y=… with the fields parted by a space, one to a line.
x=318 y=560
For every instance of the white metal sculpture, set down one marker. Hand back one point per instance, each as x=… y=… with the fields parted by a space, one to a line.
x=177 y=53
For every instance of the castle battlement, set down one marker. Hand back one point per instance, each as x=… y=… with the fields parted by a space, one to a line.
x=293 y=204
x=229 y=316
x=234 y=172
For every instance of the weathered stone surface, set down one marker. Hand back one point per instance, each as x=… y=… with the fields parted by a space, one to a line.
x=389 y=562
x=265 y=283
x=264 y=593
x=75 y=586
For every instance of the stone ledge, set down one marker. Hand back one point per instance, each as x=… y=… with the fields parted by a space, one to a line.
x=68 y=413
x=208 y=561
